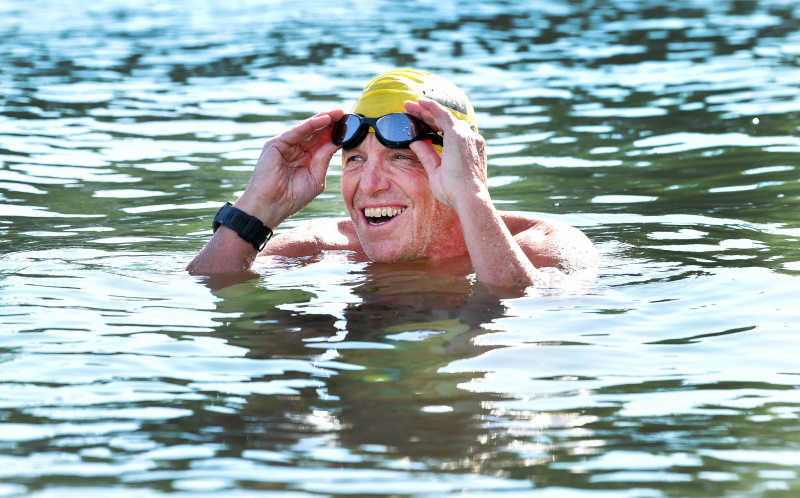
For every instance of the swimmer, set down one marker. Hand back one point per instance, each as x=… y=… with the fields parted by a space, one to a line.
x=414 y=181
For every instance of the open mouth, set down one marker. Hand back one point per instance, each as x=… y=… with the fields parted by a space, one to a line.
x=381 y=215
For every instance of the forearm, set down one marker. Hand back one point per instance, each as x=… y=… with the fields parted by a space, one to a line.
x=496 y=257
x=226 y=251
x=289 y=174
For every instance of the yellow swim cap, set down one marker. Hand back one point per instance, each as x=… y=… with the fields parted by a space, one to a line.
x=387 y=93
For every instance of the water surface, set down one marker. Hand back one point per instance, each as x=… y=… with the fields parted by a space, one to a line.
x=667 y=131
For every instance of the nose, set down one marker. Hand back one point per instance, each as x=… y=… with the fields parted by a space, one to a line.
x=374 y=178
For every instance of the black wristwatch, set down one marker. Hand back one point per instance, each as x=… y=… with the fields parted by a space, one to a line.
x=248 y=227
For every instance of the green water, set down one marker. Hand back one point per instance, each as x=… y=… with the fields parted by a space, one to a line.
x=666 y=130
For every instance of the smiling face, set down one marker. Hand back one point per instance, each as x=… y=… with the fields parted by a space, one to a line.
x=394 y=212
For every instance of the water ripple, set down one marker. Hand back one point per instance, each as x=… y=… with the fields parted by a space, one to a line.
x=666 y=131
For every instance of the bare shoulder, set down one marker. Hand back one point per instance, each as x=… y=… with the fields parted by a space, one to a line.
x=313 y=238
x=549 y=243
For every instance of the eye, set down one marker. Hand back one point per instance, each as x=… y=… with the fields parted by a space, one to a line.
x=405 y=160
x=352 y=161
x=405 y=155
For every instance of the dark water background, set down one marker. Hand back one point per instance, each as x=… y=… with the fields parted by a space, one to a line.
x=666 y=130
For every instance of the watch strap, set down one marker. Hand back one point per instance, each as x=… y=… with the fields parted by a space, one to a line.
x=248 y=227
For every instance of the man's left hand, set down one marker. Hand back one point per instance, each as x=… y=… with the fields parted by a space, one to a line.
x=460 y=172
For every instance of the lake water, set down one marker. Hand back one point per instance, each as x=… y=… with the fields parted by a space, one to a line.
x=666 y=130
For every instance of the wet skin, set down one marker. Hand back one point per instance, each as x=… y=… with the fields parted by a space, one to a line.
x=395 y=215
x=404 y=204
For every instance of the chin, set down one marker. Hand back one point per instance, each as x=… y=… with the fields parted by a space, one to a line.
x=379 y=253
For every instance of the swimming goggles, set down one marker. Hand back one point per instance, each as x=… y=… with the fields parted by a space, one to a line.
x=396 y=130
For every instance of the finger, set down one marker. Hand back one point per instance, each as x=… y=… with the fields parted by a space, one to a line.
x=433 y=113
x=427 y=155
x=312 y=126
x=322 y=136
x=321 y=160
x=416 y=110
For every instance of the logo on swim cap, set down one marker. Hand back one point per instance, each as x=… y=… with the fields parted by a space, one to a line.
x=387 y=93
x=447 y=100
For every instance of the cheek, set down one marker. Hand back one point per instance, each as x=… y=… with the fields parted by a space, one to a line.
x=418 y=187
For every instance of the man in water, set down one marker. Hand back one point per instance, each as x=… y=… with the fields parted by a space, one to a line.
x=414 y=181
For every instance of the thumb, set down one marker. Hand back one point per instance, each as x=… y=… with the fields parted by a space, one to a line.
x=321 y=160
x=427 y=155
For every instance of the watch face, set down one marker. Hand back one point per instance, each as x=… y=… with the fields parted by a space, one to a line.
x=248 y=227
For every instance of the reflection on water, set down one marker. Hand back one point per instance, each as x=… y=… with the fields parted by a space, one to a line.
x=668 y=131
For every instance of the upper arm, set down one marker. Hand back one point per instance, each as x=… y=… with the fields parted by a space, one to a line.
x=553 y=244
x=294 y=243
x=309 y=239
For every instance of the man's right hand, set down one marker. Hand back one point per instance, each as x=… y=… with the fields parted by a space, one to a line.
x=291 y=170
x=289 y=174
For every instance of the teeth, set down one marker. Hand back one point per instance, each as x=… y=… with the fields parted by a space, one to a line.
x=382 y=211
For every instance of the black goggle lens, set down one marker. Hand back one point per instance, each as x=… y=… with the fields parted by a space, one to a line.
x=396 y=131
x=346 y=129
